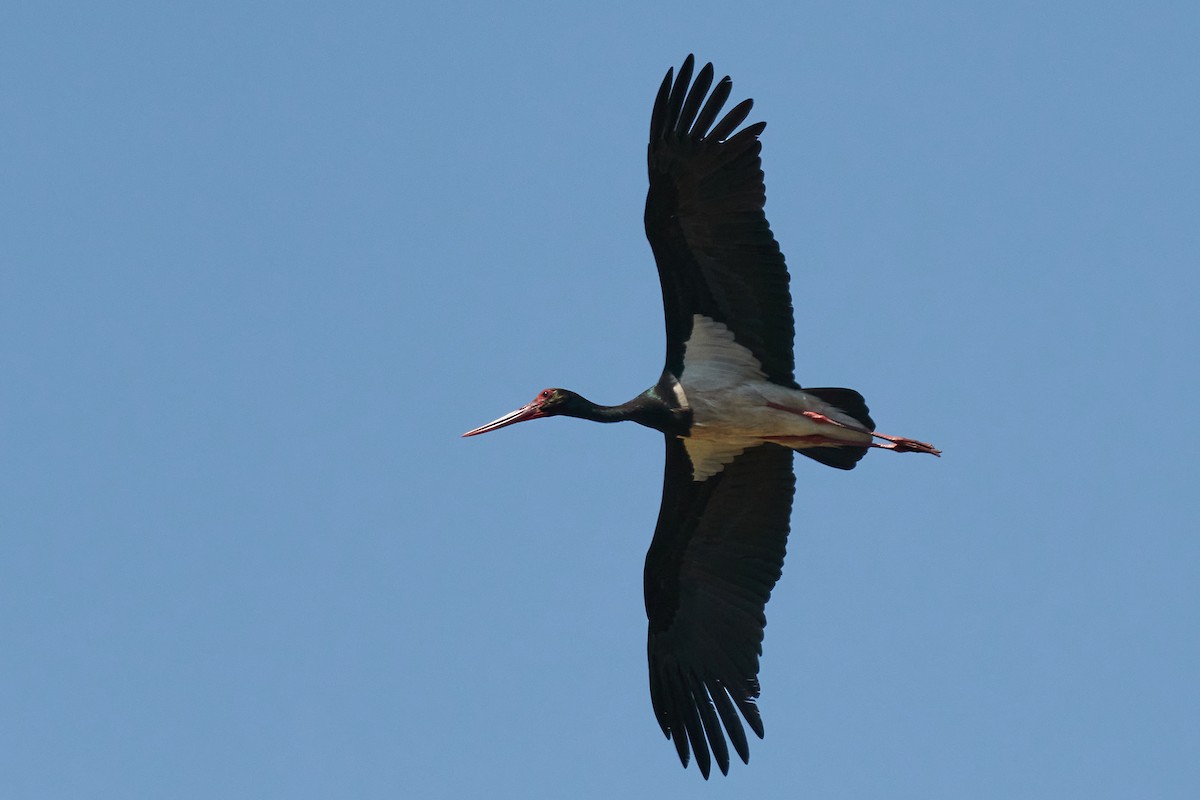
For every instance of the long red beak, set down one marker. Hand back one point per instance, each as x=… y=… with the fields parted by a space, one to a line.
x=531 y=411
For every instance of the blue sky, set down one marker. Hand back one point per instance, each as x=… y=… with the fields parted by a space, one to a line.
x=261 y=264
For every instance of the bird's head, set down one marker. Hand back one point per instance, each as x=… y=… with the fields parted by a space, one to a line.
x=548 y=403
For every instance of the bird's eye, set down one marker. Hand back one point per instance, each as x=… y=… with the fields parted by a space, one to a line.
x=546 y=394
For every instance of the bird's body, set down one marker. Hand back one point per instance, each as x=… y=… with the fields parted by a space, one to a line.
x=731 y=414
x=733 y=405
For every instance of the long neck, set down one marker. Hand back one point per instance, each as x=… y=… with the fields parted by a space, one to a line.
x=594 y=412
x=645 y=409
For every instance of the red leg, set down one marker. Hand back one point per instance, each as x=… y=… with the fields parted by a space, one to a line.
x=899 y=444
x=902 y=445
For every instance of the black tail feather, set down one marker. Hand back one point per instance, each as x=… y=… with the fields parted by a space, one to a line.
x=838 y=457
x=848 y=401
x=852 y=404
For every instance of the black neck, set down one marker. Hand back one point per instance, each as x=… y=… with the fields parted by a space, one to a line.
x=650 y=408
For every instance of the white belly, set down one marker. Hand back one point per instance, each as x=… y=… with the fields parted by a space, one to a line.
x=756 y=411
x=734 y=406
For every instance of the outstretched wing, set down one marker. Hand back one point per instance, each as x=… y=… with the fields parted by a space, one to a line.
x=705 y=222
x=717 y=552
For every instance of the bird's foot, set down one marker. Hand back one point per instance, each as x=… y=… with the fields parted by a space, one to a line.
x=900 y=444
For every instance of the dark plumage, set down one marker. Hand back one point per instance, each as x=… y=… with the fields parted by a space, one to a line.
x=731 y=414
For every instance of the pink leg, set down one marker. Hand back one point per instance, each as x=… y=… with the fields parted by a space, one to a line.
x=899 y=444
x=902 y=445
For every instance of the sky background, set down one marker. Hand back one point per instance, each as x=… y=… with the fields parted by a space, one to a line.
x=261 y=264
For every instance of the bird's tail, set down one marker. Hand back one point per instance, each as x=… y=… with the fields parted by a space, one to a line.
x=850 y=403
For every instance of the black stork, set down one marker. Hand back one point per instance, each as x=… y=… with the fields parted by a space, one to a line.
x=731 y=413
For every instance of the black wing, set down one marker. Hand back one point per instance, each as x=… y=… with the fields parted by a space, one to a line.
x=705 y=222
x=717 y=552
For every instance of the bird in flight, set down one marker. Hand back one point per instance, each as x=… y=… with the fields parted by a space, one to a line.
x=731 y=413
